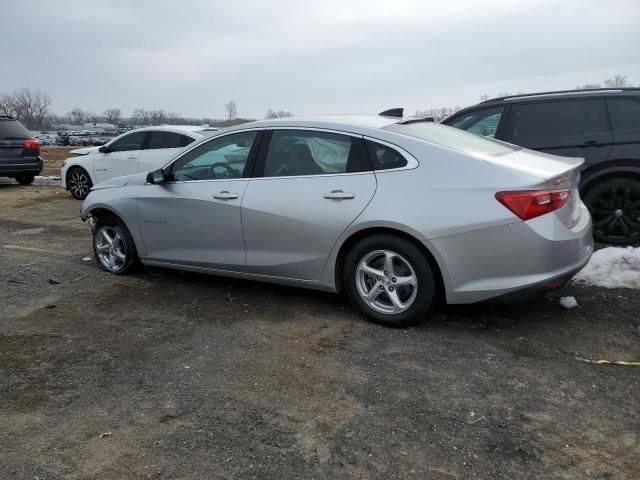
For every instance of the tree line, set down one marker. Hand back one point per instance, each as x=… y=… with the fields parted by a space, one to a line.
x=32 y=108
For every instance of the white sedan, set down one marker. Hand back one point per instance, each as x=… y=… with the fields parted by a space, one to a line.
x=140 y=150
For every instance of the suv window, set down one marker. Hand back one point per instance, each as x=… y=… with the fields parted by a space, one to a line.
x=159 y=140
x=221 y=158
x=133 y=141
x=624 y=114
x=383 y=157
x=481 y=122
x=302 y=152
x=558 y=119
x=13 y=129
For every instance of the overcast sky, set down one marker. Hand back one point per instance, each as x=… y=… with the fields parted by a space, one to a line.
x=309 y=57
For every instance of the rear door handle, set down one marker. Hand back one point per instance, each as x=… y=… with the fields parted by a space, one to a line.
x=131 y=158
x=590 y=143
x=225 y=195
x=339 y=195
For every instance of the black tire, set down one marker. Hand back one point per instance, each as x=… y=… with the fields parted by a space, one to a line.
x=78 y=182
x=614 y=204
x=26 y=179
x=123 y=243
x=405 y=253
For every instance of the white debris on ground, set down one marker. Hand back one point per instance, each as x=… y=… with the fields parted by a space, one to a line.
x=568 y=302
x=612 y=267
x=51 y=181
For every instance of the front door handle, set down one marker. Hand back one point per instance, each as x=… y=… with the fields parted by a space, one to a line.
x=225 y=195
x=131 y=158
x=339 y=195
x=590 y=143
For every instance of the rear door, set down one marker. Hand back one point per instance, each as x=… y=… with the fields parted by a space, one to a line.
x=624 y=113
x=160 y=147
x=121 y=158
x=310 y=186
x=571 y=128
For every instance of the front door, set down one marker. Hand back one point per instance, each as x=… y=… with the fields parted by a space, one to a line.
x=312 y=185
x=194 y=218
x=121 y=157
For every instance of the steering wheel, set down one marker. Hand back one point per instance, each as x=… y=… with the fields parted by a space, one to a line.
x=230 y=172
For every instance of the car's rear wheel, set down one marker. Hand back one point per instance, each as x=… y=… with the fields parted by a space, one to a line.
x=26 y=179
x=389 y=280
x=113 y=246
x=78 y=183
x=614 y=204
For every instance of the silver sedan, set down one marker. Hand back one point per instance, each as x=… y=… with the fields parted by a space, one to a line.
x=398 y=213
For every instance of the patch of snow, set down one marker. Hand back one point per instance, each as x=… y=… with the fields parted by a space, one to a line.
x=51 y=177
x=568 y=302
x=612 y=267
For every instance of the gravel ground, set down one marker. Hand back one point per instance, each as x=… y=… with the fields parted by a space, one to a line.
x=169 y=375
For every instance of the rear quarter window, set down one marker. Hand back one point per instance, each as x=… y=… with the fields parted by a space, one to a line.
x=453 y=138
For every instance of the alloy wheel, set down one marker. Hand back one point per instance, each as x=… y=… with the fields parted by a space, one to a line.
x=110 y=249
x=386 y=282
x=616 y=213
x=79 y=184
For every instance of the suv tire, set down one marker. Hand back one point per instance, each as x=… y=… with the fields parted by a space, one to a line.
x=26 y=179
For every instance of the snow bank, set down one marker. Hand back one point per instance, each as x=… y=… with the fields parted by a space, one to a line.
x=612 y=267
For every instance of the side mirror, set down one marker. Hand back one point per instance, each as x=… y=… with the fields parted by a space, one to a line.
x=156 y=177
x=104 y=149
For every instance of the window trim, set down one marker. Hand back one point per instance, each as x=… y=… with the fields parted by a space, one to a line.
x=258 y=171
x=249 y=167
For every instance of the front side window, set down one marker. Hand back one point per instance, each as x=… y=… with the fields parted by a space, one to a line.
x=481 y=122
x=624 y=114
x=221 y=158
x=132 y=141
x=158 y=140
x=301 y=152
x=558 y=119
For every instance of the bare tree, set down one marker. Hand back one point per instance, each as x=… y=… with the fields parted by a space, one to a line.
x=279 y=114
x=616 y=81
x=158 y=117
x=231 y=109
x=172 y=118
x=112 y=115
x=589 y=86
x=140 y=116
x=77 y=115
x=31 y=107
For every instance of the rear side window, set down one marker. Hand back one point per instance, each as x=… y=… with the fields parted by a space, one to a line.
x=624 y=114
x=383 y=157
x=132 y=141
x=13 y=129
x=481 y=122
x=158 y=140
x=558 y=119
x=301 y=152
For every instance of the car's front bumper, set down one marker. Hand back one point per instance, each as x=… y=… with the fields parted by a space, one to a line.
x=519 y=259
x=10 y=167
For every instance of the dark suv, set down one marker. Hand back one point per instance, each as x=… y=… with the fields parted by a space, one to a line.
x=600 y=125
x=19 y=153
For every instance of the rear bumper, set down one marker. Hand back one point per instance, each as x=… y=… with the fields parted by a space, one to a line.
x=513 y=262
x=10 y=167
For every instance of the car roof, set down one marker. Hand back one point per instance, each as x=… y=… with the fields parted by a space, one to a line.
x=171 y=128
x=351 y=123
x=590 y=92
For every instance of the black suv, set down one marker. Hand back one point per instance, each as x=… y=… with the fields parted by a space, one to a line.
x=600 y=125
x=19 y=153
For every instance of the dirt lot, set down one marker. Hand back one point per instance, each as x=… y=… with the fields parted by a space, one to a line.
x=168 y=375
x=53 y=158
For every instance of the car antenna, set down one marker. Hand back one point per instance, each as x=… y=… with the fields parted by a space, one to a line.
x=393 y=112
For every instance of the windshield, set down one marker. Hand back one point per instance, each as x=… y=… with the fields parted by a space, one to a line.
x=453 y=138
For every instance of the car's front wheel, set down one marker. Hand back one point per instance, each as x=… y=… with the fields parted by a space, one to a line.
x=25 y=179
x=614 y=205
x=78 y=183
x=113 y=246
x=389 y=280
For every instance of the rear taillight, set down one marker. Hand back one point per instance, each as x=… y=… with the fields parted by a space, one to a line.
x=31 y=143
x=533 y=203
